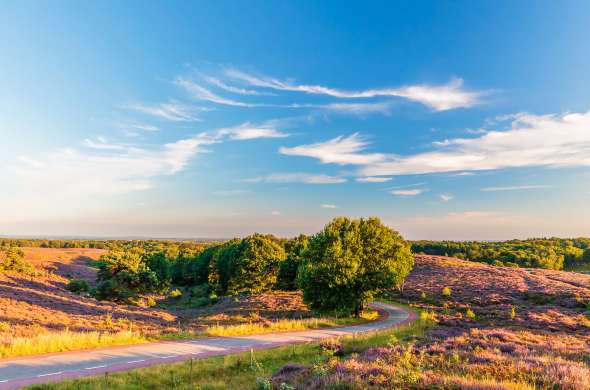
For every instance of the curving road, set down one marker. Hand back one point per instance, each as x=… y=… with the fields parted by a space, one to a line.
x=18 y=372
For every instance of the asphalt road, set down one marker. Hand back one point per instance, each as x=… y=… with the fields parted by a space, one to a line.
x=18 y=372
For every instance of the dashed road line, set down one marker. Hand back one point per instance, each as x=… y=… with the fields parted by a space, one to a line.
x=92 y=368
x=167 y=357
x=136 y=361
x=4 y=381
x=49 y=374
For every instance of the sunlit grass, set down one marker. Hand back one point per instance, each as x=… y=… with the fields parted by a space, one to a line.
x=238 y=371
x=66 y=341
x=69 y=341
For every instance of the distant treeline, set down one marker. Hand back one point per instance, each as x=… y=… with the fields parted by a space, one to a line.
x=548 y=253
x=172 y=248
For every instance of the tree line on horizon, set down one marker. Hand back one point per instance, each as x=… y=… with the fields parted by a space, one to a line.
x=548 y=253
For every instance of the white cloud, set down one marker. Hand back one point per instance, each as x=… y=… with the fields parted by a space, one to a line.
x=515 y=188
x=340 y=150
x=409 y=192
x=359 y=108
x=275 y=213
x=297 y=178
x=202 y=93
x=329 y=206
x=230 y=88
x=373 y=179
x=551 y=140
x=443 y=97
x=85 y=177
x=446 y=198
x=172 y=111
x=248 y=131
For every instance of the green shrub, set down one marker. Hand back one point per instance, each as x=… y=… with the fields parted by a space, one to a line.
x=78 y=286
x=446 y=291
x=14 y=261
x=351 y=261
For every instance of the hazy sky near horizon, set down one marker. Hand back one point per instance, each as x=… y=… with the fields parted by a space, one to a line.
x=449 y=120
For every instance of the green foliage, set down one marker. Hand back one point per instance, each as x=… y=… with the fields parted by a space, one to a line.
x=548 y=253
x=13 y=260
x=124 y=275
x=248 y=266
x=350 y=261
x=78 y=286
x=287 y=279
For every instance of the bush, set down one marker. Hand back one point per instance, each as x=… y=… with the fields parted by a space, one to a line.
x=78 y=286
x=287 y=279
x=175 y=294
x=14 y=261
x=246 y=266
x=351 y=261
x=124 y=275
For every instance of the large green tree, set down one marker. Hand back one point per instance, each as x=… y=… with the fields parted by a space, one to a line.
x=350 y=261
x=287 y=279
x=249 y=265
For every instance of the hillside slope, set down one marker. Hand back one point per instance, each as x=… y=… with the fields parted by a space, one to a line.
x=498 y=328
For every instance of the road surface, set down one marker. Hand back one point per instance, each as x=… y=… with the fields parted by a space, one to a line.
x=18 y=372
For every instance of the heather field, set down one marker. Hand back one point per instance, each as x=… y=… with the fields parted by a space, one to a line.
x=497 y=328
x=38 y=314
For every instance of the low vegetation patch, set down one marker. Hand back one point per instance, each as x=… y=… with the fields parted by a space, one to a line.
x=272 y=368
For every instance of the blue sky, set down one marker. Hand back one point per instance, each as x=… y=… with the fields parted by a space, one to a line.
x=454 y=120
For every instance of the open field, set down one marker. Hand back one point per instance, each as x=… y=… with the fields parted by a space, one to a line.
x=496 y=328
x=38 y=315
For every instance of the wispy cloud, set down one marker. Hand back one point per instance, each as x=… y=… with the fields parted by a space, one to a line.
x=199 y=92
x=247 y=131
x=515 y=188
x=551 y=140
x=440 y=98
x=408 y=192
x=329 y=206
x=373 y=179
x=306 y=178
x=230 y=88
x=275 y=213
x=172 y=111
x=340 y=150
x=446 y=198
x=91 y=173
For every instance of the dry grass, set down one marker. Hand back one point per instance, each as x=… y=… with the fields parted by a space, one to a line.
x=67 y=341
x=38 y=315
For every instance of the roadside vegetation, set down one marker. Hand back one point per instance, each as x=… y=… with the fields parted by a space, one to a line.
x=264 y=369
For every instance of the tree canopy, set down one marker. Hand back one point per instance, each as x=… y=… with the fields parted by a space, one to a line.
x=350 y=261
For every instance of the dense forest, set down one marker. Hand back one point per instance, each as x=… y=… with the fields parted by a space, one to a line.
x=549 y=253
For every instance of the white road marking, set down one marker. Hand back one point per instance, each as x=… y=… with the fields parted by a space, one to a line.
x=51 y=373
x=167 y=357
x=136 y=361
x=92 y=368
x=4 y=380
